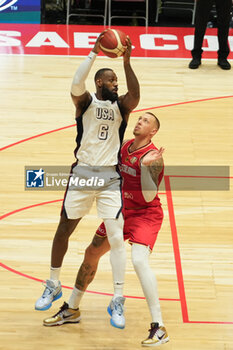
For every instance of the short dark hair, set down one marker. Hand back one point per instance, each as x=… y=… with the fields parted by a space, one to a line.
x=156 y=119
x=100 y=72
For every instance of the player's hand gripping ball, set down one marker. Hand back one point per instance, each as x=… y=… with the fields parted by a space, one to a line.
x=113 y=43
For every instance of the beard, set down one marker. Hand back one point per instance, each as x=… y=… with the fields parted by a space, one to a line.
x=109 y=95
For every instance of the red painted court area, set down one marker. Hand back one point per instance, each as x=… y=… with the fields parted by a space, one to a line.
x=76 y=40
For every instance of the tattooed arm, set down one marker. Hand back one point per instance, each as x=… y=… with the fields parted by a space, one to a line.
x=151 y=167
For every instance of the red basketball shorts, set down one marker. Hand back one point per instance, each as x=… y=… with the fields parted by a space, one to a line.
x=141 y=226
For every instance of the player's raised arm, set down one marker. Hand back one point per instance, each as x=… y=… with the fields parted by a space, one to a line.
x=130 y=100
x=80 y=96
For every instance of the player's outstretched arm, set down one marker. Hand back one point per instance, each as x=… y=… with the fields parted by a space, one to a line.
x=130 y=100
x=80 y=96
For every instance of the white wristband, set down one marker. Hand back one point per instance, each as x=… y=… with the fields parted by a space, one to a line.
x=92 y=55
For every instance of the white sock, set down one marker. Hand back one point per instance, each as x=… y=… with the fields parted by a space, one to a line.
x=54 y=274
x=118 y=290
x=75 y=298
x=140 y=259
x=114 y=229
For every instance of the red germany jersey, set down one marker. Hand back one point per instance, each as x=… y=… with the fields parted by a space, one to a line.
x=131 y=173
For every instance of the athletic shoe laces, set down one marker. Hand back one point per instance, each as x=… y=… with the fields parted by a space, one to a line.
x=153 y=330
x=64 y=307
x=119 y=308
x=48 y=290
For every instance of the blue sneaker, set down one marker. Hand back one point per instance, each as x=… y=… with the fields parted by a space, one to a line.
x=116 y=311
x=51 y=293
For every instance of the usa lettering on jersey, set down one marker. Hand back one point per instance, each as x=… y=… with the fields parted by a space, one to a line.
x=104 y=113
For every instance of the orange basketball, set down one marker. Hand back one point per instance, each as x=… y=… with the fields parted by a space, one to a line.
x=113 y=43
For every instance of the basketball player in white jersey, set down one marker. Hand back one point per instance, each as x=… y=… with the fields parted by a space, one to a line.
x=101 y=120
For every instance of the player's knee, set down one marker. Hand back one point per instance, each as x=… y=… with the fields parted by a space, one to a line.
x=116 y=240
x=138 y=257
x=137 y=262
x=63 y=232
x=114 y=229
x=60 y=235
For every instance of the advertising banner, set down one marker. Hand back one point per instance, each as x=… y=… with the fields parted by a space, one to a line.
x=78 y=40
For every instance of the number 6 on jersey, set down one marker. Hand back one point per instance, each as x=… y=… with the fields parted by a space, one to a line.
x=103 y=132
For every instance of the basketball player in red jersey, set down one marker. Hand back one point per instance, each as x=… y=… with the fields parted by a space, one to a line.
x=101 y=119
x=142 y=171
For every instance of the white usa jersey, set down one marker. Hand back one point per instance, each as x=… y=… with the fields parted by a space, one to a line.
x=100 y=130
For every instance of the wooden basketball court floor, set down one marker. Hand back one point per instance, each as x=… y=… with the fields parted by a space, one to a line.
x=193 y=256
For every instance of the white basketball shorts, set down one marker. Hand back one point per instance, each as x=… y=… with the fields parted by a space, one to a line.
x=88 y=184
